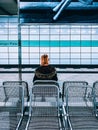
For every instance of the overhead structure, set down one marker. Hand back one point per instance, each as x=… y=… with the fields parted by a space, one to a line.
x=8 y=7
x=64 y=11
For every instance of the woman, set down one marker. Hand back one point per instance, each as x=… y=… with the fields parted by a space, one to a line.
x=45 y=71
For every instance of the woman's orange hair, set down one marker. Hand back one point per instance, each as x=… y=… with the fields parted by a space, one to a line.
x=44 y=59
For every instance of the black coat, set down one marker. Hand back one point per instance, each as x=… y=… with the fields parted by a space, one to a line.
x=45 y=73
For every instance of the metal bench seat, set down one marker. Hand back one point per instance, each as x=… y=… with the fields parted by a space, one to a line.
x=95 y=97
x=80 y=117
x=11 y=106
x=44 y=123
x=71 y=83
x=44 y=107
x=84 y=122
x=46 y=82
x=23 y=83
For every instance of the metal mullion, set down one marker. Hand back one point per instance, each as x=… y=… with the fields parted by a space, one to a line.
x=39 y=44
x=91 y=43
x=29 y=43
x=80 y=45
x=59 y=44
x=19 y=45
x=49 y=41
x=8 y=40
x=70 y=44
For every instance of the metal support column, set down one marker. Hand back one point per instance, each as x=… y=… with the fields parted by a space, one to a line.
x=19 y=45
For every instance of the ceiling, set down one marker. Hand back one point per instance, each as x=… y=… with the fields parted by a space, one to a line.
x=8 y=7
x=35 y=14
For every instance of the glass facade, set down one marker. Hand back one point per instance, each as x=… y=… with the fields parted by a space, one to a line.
x=8 y=40
x=65 y=44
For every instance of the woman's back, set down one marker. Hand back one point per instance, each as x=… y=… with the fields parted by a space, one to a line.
x=45 y=71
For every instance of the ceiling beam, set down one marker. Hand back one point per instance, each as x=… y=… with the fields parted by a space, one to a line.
x=5 y=11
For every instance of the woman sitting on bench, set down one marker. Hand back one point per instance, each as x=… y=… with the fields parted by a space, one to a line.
x=45 y=71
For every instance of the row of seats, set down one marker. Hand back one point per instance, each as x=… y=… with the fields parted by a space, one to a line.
x=23 y=108
x=42 y=107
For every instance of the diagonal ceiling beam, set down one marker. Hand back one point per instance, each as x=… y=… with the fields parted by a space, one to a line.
x=5 y=11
